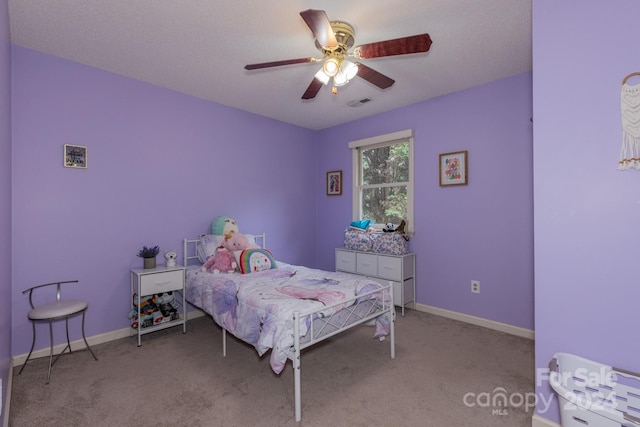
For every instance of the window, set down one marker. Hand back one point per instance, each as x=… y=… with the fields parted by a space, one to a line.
x=383 y=178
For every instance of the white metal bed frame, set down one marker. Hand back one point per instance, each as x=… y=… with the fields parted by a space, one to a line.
x=362 y=310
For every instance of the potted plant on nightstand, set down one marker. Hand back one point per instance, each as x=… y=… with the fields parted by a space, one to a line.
x=149 y=256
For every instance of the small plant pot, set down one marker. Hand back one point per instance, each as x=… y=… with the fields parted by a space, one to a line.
x=149 y=263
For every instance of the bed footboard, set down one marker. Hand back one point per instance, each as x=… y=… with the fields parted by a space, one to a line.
x=365 y=307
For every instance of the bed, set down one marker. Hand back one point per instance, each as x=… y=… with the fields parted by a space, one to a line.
x=284 y=308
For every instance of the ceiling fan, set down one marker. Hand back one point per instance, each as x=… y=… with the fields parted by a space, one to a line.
x=334 y=39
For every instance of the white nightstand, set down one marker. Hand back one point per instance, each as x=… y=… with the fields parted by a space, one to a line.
x=156 y=281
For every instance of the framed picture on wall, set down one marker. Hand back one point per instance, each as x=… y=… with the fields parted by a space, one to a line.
x=75 y=156
x=334 y=183
x=453 y=168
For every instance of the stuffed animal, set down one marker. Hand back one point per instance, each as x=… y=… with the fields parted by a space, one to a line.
x=222 y=260
x=238 y=242
x=391 y=228
x=170 y=258
x=165 y=302
x=143 y=315
x=224 y=226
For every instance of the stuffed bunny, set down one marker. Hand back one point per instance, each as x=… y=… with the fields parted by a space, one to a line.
x=238 y=242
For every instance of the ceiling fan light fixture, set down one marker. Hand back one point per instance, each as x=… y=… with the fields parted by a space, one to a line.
x=321 y=75
x=340 y=79
x=331 y=67
x=349 y=69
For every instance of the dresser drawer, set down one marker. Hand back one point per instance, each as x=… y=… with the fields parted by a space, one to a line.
x=390 y=268
x=403 y=293
x=346 y=261
x=165 y=281
x=367 y=264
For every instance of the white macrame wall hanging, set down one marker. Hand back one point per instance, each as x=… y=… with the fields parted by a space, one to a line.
x=630 y=113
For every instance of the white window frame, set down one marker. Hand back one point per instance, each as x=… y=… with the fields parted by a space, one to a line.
x=381 y=141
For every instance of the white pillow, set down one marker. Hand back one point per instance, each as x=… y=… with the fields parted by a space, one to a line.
x=252 y=239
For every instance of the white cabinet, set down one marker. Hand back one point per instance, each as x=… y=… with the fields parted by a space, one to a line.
x=399 y=269
x=155 y=281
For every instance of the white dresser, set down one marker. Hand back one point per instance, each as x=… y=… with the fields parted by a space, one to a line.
x=399 y=269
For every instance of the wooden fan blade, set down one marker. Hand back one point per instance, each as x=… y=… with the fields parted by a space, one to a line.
x=313 y=89
x=401 y=46
x=319 y=24
x=374 y=77
x=278 y=63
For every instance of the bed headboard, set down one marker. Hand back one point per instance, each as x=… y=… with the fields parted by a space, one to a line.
x=190 y=246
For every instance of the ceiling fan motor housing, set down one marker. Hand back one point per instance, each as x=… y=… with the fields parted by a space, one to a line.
x=345 y=36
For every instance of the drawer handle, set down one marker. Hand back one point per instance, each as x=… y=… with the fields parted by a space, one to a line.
x=366 y=263
x=388 y=267
x=163 y=283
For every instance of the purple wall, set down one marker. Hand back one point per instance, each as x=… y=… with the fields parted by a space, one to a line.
x=156 y=157
x=162 y=165
x=482 y=231
x=5 y=203
x=586 y=212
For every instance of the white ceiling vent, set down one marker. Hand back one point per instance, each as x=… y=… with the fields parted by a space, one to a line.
x=358 y=102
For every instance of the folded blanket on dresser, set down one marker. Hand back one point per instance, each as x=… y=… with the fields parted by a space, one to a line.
x=382 y=243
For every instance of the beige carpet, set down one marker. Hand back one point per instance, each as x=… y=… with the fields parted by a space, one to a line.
x=349 y=380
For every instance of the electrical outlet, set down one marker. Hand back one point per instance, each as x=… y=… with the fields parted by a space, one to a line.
x=475 y=286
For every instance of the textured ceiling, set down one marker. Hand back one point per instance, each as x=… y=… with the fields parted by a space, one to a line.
x=199 y=47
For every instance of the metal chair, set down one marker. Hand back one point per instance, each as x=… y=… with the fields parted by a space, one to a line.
x=60 y=309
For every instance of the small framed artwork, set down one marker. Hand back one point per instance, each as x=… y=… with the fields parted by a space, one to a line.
x=334 y=183
x=75 y=156
x=453 y=168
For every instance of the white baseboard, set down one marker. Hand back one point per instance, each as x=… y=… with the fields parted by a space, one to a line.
x=538 y=421
x=491 y=324
x=93 y=340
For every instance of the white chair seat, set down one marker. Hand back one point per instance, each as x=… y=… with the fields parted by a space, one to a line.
x=57 y=310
